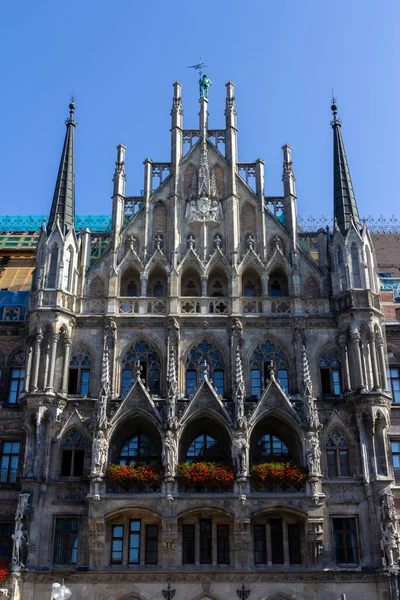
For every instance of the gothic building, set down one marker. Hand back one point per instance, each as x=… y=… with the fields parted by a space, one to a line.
x=195 y=404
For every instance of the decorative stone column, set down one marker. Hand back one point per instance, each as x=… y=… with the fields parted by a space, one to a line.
x=29 y=359
x=50 y=380
x=345 y=363
x=36 y=361
x=372 y=351
x=381 y=358
x=67 y=353
x=355 y=341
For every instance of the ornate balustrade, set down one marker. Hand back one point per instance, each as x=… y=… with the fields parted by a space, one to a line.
x=150 y=306
x=135 y=487
x=209 y=488
x=205 y=306
x=278 y=487
x=53 y=298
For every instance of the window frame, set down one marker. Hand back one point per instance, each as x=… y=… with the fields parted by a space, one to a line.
x=140 y=458
x=8 y=479
x=84 y=366
x=262 y=355
x=394 y=392
x=66 y=534
x=6 y=541
x=20 y=384
x=281 y=552
x=74 y=449
x=393 y=455
x=336 y=450
x=354 y=519
x=191 y=536
x=209 y=352
x=329 y=369
x=126 y=546
x=150 y=361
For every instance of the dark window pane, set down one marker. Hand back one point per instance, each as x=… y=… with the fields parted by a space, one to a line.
x=188 y=545
x=154 y=381
x=344 y=463
x=218 y=378
x=79 y=460
x=223 y=544
x=276 y=541
x=66 y=541
x=332 y=467
x=294 y=544
x=205 y=542
x=191 y=382
x=6 y=530
x=66 y=463
x=337 y=387
x=73 y=381
x=325 y=381
x=345 y=540
x=260 y=548
x=16 y=384
x=255 y=382
x=151 y=544
x=126 y=381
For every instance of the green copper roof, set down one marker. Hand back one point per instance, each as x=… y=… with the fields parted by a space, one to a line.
x=19 y=224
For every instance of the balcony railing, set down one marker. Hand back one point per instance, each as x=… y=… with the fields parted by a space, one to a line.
x=135 y=487
x=205 y=306
x=278 y=487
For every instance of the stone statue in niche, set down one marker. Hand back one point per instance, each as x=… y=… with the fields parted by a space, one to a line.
x=203 y=209
x=240 y=447
x=100 y=451
x=391 y=544
x=203 y=202
x=169 y=454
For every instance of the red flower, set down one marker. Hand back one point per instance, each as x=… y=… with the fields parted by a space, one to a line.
x=278 y=472
x=125 y=475
x=4 y=569
x=203 y=473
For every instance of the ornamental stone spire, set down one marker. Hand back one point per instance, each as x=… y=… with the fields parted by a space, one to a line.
x=63 y=205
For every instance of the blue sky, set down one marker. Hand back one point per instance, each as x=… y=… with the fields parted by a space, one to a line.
x=121 y=59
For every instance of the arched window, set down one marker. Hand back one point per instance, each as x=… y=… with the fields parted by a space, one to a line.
x=355 y=267
x=330 y=369
x=73 y=455
x=261 y=360
x=341 y=269
x=371 y=275
x=205 y=352
x=270 y=448
x=130 y=283
x=204 y=448
x=251 y=283
x=150 y=363
x=337 y=455
x=52 y=275
x=79 y=373
x=278 y=284
x=139 y=449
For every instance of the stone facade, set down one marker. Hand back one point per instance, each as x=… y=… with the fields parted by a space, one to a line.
x=204 y=328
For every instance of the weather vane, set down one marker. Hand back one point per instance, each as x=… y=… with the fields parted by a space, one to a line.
x=204 y=82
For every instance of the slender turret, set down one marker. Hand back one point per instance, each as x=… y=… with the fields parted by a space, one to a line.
x=345 y=206
x=63 y=205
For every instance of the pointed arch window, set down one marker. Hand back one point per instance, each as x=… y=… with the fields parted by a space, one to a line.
x=79 y=373
x=52 y=275
x=139 y=449
x=149 y=360
x=355 y=266
x=331 y=374
x=73 y=455
x=270 y=448
x=260 y=364
x=204 y=353
x=337 y=455
x=205 y=447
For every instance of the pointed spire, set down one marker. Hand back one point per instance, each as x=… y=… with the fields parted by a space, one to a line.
x=306 y=375
x=63 y=205
x=345 y=205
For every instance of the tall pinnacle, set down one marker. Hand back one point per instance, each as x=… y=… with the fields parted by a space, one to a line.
x=345 y=206
x=63 y=205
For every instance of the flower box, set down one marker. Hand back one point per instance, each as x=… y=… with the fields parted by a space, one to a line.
x=278 y=477
x=133 y=478
x=205 y=477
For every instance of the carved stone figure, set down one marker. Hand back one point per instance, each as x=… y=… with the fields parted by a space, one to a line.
x=240 y=447
x=313 y=453
x=21 y=542
x=217 y=241
x=388 y=512
x=250 y=241
x=100 y=452
x=159 y=241
x=391 y=544
x=169 y=454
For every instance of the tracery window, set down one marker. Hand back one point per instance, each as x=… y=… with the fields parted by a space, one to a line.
x=270 y=448
x=149 y=360
x=263 y=355
x=355 y=266
x=139 y=449
x=330 y=370
x=337 y=455
x=73 y=455
x=79 y=373
x=204 y=448
x=204 y=355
